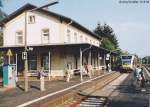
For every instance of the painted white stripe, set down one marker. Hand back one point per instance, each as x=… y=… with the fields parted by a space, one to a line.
x=88 y=105
x=92 y=102
x=57 y=92
x=87 y=100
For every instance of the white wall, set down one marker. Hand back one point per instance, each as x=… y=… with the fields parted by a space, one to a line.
x=84 y=35
x=10 y=29
x=58 y=31
x=35 y=30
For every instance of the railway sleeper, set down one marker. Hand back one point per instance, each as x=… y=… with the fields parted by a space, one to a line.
x=72 y=98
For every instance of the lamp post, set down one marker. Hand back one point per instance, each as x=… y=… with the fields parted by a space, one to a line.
x=81 y=55
x=26 y=47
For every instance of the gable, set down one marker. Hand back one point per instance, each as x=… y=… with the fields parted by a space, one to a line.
x=61 y=18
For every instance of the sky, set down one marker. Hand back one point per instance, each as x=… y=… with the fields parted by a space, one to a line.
x=130 y=21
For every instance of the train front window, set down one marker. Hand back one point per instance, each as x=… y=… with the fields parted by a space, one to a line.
x=126 y=57
x=126 y=62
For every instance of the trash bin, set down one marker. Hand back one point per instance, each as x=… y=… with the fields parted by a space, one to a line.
x=9 y=76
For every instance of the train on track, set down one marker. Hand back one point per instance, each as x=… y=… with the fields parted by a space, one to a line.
x=128 y=63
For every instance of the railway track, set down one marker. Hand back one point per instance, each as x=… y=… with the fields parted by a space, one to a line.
x=80 y=96
x=93 y=101
x=147 y=67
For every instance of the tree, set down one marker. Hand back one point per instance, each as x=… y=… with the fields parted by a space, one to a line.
x=2 y=16
x=1 y=5
x=109 y=39
x=106 y=43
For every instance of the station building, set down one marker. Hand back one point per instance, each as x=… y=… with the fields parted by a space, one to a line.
x=54 y=42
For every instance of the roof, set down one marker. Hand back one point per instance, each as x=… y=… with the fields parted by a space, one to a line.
x=56 y=15
x=51 y=46
x=79 y=45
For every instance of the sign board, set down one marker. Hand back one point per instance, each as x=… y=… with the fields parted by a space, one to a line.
x=9 y=53
x=24 y=55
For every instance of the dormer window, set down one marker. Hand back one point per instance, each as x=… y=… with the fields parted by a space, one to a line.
x=31 y=19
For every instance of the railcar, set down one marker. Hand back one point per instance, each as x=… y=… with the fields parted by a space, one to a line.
x=128 y=62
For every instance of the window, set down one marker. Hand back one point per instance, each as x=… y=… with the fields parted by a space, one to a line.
x=81 y=38
x=69 y=65
x=45 y=62
x=91 y=41
x=31 y=19
x=45 y=35
x=45 y=32
x=86 y=39
x=68 y=36
x=19 y=37
x=32 y=62
x=75 y=37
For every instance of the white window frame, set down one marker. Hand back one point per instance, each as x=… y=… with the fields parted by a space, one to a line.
x=68 y=36
x=75 y=37
x=94 y=42
x=31 y=19
x=45 y=35
x=86 y=39
x=81 y=38
x=17 y=37
x=90 y=41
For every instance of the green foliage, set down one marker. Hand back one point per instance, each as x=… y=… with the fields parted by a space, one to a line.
x=1 y=5
x=109 y=39
x=2 y=14
x=106 y=43
x=116 y=65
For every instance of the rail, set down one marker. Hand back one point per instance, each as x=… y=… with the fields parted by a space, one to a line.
x=75 y=96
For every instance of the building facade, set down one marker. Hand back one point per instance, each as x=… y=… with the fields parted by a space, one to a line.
x=55 y=42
